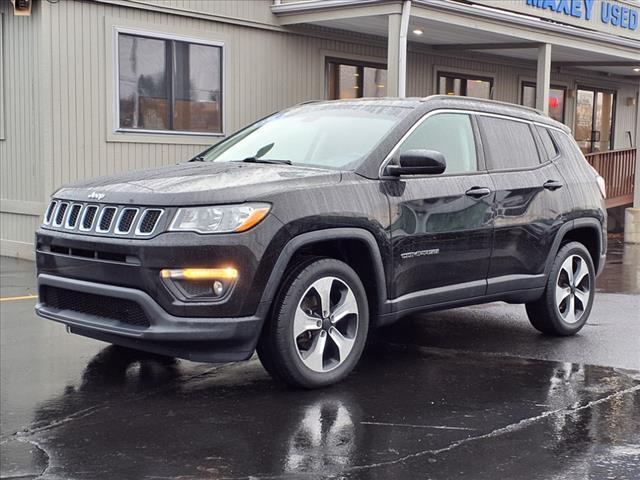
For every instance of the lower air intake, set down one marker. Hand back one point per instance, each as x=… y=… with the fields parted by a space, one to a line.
x=107 y=308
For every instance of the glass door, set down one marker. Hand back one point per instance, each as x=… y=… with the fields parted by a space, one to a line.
x=594 y=119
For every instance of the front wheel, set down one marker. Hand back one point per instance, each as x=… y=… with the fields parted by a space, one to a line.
x=319 y=325
x=566 y=303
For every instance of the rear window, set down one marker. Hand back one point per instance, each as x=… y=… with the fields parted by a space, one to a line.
x=547 y=142
x=508 y=144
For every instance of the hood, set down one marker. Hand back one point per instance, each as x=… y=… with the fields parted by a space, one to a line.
x=198 y=183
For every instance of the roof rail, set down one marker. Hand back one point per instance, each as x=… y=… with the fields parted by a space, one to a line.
x=482 y=100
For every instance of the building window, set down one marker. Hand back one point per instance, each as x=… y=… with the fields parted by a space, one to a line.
x=349 y=79
x=465 y=85
x=556 y=99
x=169 y=85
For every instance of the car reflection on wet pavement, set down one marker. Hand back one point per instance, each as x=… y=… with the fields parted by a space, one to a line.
x=469 y=393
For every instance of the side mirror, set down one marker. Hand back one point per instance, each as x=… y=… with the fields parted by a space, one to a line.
x=418 y=162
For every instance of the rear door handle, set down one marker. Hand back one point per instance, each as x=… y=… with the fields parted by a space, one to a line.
x=552 y=185
x=478 y=192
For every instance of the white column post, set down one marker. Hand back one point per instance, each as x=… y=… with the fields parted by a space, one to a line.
x=636 y=183
x=393 y=49
x=632 y=215
x=397 y=51
x=543 y=78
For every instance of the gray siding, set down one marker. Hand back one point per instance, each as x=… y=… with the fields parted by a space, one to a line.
x=252 y=10
x=57 y=68
x=22 y=177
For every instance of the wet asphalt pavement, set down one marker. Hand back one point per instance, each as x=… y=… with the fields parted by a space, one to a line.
x=470 y=393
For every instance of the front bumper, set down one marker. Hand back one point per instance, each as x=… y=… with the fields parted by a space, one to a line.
x=193 y=338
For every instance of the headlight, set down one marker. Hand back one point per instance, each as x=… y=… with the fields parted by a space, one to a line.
x=220 y=219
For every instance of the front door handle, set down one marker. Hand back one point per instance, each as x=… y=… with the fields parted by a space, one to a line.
x=477 y=192
x=552 y=185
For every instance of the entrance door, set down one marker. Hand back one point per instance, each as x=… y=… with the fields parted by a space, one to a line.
x=594 y=119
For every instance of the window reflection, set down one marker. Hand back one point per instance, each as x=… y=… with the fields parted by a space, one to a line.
x=169 y=85
x=464 y=85
x=348 y=79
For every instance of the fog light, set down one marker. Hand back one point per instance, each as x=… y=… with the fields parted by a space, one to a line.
x=199 y=284
x=218 y=288
x=227 y=273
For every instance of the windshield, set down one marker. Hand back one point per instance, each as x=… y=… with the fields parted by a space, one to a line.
x=336 y=136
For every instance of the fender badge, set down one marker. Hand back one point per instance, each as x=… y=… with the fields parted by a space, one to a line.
x=420 y=253
x=96 y=196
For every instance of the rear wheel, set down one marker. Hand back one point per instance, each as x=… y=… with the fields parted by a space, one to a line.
x=566 y=303
x=319 y=325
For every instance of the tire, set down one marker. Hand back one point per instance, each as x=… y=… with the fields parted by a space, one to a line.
x=565 y=306
x=313 y=358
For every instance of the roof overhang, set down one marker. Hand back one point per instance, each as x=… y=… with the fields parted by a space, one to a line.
x=456 y=27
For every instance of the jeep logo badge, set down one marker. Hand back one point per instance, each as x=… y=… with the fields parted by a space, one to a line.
x=96 y=196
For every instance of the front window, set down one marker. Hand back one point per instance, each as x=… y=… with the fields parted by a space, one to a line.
x=349 y=79
x=169 y=85
x=450 y=134
x=337 y=136
x=465 y=85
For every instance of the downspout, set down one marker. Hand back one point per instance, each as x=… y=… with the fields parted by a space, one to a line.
x=402 y=47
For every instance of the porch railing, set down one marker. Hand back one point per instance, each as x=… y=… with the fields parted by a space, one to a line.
x=617 y=167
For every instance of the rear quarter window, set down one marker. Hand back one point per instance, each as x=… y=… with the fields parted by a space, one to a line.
x=508 y=144
x=549 y=145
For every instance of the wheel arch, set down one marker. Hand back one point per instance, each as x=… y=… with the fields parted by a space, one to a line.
x=587 y=231
x=336 y=243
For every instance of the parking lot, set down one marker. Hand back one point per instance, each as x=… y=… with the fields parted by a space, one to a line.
x=468 y=393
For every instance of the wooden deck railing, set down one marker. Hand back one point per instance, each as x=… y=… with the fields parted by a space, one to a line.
x=617 y=167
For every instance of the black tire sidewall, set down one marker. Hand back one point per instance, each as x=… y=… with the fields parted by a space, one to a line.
x=558 y=323
x=288 y=300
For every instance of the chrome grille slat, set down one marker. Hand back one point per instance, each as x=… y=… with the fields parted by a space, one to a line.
x=125 y=220
x=60 y=214
x=106 y=219
x=91 y=218
x=74 y=215
x=88 y=218
x=48 y=216
x=148 y=221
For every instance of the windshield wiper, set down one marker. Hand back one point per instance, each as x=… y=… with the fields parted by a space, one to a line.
x=266 y=160
x=199 y=158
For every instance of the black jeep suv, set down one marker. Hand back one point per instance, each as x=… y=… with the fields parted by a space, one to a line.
x=300 y=233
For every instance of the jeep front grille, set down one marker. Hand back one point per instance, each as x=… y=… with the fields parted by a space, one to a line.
x=89 y=217
x=72 y=218
x=104 y=220
x=106 y=217
x=60 y=213
x=49 y=215
x=148 y=222
x=125 y=220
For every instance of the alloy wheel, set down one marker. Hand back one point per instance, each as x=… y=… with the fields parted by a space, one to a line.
x=326 y=324
x=573 y=289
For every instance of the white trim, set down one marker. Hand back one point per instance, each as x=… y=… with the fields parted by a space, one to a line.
x=113 y=28
x=17 y=249
x=2 y=88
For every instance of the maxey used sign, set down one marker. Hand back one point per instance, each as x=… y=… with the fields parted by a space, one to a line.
x=617 y=17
